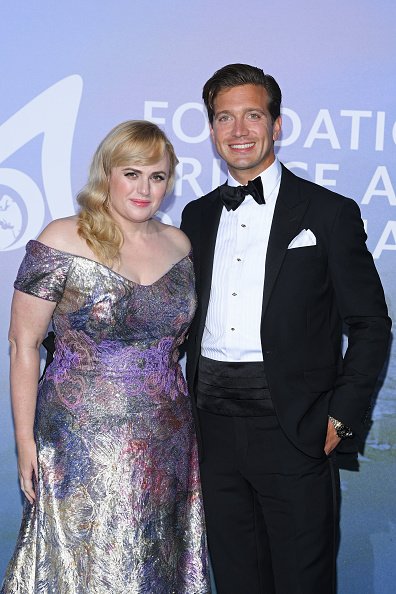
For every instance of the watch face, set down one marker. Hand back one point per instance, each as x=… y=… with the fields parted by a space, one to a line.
x=343 y=431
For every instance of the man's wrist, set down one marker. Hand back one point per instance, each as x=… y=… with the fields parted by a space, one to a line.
x=342 y=430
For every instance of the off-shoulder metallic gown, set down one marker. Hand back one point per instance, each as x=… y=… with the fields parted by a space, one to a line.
x=119 y=506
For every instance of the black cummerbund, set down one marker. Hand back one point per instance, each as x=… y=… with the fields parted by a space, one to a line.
x=233 y=389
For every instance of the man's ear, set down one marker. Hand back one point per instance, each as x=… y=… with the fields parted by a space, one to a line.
x=276 y=129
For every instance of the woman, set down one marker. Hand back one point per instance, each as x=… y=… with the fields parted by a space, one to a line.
x=106 y=453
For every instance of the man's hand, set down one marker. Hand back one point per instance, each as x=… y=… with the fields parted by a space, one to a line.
x=332 y=439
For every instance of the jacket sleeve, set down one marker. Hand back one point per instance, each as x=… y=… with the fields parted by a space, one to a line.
x=362 y=307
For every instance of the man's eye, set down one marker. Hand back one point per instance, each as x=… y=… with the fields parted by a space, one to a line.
x=254 y=116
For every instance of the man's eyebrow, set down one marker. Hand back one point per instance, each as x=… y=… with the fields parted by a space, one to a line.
x=261 y=109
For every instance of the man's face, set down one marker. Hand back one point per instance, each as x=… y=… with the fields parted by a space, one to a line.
x=243 y=131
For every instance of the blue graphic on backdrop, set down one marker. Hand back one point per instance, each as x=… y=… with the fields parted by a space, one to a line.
x=51 y=115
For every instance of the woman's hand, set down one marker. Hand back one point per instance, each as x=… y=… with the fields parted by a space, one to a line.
x=30 y=317
x=27 y=468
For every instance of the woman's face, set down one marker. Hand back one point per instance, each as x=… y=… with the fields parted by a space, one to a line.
x=136 y=191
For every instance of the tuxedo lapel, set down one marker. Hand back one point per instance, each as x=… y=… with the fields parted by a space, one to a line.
x=209 y=226
x=289 y=211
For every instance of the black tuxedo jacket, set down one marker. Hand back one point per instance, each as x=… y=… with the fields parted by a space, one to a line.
x=309 y=295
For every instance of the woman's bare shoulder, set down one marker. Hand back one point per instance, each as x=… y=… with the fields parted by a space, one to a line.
x=62 y=234
x=177 y=238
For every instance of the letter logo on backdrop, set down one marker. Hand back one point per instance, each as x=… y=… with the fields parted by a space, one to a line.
x=53 y=115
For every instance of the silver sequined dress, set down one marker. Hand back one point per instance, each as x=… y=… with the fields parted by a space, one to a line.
x=119 y=508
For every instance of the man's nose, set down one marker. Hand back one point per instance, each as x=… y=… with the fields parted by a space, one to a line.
x=240 y=127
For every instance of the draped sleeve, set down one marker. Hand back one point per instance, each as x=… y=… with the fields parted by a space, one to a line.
x=43 y=271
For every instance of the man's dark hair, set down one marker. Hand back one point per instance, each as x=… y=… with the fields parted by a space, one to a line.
x=235 y=75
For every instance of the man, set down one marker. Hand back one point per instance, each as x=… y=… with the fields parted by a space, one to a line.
x=278 y=275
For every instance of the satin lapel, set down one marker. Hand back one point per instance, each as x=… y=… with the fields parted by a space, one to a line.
x=289 y=211
x=210 y=217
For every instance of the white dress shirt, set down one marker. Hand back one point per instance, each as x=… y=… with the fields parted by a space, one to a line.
x=232 y=327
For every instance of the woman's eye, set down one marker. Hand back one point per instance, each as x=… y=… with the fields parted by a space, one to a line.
x=158 y=177
x=131 y=174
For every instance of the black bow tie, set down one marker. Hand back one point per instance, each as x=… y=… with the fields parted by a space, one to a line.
x=232 y=197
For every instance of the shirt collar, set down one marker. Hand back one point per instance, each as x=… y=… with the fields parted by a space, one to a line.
x=270 y=178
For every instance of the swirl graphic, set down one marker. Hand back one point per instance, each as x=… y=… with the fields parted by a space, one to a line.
x=53 y=115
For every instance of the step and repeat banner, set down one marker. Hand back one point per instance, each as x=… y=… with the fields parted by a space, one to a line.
x=71 y=71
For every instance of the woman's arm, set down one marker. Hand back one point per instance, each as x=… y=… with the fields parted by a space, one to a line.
x=30 y=317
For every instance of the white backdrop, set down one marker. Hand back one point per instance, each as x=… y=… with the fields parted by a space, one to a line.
x=72 y=70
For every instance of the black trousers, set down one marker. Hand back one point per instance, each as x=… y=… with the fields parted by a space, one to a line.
x=271 y=510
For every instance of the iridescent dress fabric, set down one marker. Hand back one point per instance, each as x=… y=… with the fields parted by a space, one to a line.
x=119 y=506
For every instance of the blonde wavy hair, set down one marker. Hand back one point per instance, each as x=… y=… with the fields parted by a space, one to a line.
x=135 y=142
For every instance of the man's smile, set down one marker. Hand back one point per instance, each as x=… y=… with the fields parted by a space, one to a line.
x=242 y=146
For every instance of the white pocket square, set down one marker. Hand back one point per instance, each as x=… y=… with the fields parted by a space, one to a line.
x=304 y=239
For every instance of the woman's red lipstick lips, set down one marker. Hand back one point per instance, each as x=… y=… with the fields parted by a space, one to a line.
x=138 y=202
